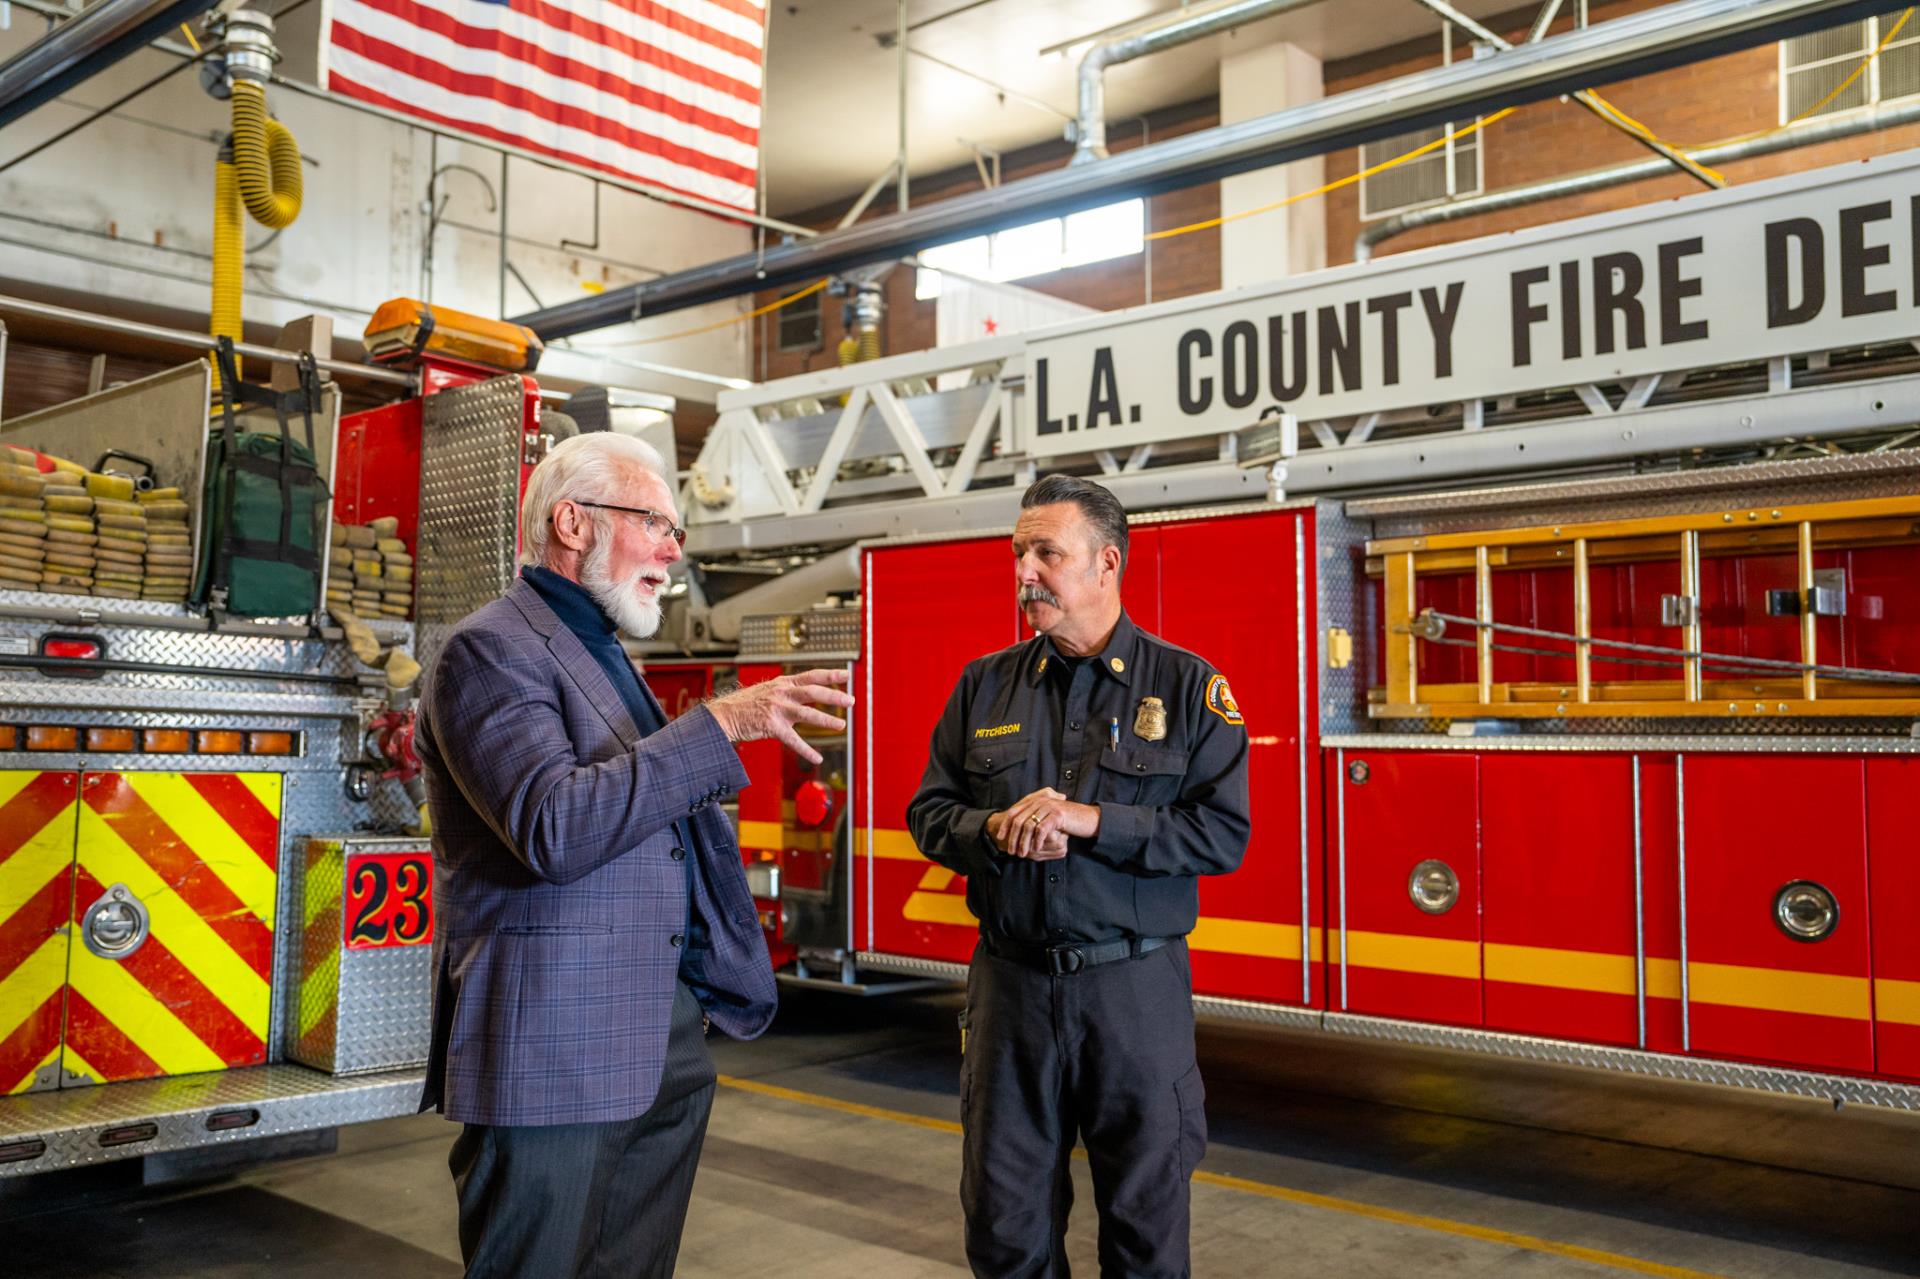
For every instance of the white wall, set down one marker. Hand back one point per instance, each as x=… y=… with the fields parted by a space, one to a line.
x=122 y=211
x=1288 y=241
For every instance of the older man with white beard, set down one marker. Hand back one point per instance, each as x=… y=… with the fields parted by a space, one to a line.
x=594 y=917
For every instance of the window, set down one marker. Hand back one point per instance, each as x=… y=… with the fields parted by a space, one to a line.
x=1441 y=174
x=1813 y=66
x=800 y=324
x=1092 y=235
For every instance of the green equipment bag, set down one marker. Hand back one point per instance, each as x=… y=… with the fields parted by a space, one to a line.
x=264 y=505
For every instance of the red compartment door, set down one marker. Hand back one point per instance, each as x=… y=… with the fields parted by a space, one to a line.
x=1753 y=825
x=930 y=610
x=1397 y=812
x=1893 y=829
x=1249 y=941
x=1557 y=856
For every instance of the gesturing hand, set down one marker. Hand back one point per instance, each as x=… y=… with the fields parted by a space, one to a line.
x=772 y=709
x=1035 y=825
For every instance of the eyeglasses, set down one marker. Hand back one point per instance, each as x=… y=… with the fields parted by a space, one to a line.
x=678 y=534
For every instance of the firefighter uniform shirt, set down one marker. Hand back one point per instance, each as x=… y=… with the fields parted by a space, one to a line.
x=1146 y=731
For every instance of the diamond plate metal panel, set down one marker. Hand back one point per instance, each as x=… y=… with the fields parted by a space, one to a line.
x=1345 y=603
x=285 y=1099
x=773 y=635
x=1828 y=479
x=1254 y=1011
x=1834 y=1088
x=124 y=640
x=469 y=495
x=883 y=963
x=355 y=1011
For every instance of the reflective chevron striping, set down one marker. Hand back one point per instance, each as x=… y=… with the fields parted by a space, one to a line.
x=36 y=892
x=145 y=1022
x=34 y=1043
x=247 y=803
x=110 y=862
x=133 y=824
x=197 y=851
x=95 y=1048
x=29 y=803
x=159 y=971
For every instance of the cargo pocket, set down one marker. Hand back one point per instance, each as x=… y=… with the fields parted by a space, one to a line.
x=990 y=772
x=1141 y=775
x=1192 y=1096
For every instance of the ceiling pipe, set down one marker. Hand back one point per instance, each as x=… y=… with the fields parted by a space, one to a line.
x=84 y=46
x=1088 y=132
x=1849 y=125
x=1650 y=40
x=194 y=341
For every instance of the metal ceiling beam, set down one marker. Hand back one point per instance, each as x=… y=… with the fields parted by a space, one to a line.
x=82 y=47
x=1648 y=41
x=1601 y=111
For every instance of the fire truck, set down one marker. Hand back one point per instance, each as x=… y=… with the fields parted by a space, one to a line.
x=1564 y=581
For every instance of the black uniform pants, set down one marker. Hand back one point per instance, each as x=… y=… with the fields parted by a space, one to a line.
x=1104 y=1055
x=589 y=1199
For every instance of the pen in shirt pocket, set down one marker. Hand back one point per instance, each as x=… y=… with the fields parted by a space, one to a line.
x=1113 y=734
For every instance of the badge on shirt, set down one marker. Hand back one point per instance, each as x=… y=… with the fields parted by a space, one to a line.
x=1150 y=721
x=1220 y=701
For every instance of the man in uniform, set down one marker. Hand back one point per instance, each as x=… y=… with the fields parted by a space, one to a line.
x=1082 y=781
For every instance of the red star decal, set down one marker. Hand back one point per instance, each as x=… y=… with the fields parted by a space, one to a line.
x=992 y=325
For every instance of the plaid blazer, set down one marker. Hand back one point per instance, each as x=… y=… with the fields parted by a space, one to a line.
x=562 y=910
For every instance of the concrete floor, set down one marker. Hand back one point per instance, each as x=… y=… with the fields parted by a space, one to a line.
x=831 y=1153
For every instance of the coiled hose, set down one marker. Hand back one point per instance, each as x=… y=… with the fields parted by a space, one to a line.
x=266 y=156
x=258 y=169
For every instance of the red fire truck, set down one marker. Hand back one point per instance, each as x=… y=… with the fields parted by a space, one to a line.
x=1609 y=763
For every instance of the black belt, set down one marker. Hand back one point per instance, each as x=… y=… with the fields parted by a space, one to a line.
x=1069 y=958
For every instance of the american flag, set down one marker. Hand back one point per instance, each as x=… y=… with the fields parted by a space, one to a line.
x=664 y=92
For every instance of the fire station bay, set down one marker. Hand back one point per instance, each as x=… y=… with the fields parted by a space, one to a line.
x=905 y=639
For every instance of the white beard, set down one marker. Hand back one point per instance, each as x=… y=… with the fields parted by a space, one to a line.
x=631 y=611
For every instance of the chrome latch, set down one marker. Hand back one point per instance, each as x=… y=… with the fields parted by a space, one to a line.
x=1679 y=610
x=1433 y=886
x=116 y=925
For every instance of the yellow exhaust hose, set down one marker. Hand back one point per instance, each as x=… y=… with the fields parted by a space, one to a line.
x=229 y=247
x=263 y=175
x=266 y=157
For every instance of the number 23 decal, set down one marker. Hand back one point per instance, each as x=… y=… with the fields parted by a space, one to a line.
x=389 y=900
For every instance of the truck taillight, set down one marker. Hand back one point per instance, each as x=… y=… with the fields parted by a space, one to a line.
x=71 y=646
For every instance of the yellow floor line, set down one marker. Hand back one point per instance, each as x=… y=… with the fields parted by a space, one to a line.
x=1441 y=1225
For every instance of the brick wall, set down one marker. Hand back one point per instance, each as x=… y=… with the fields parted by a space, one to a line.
x=1181 y=266
x=1690 y=105
x=1700 y=103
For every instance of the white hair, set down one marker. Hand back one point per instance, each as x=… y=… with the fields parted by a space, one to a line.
x=594 y=467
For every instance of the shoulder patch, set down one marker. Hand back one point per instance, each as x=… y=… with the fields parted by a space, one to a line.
x=1220 y=701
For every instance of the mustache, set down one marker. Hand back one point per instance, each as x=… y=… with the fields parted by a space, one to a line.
x=1038 y=594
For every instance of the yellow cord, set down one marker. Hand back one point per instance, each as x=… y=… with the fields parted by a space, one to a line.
x=754 y=314
x=1838 y=89
x=1335 y=185
x=187 y=31
x=1609 y=109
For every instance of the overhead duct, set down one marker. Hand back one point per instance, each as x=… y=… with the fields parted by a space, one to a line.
x=1852 y=124
x=84 y=46
x=1640 y=43
x=1088 y=132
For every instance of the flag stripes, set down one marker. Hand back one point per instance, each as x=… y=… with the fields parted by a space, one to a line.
x=663 y=92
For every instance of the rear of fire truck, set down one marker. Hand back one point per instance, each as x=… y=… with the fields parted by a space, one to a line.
x=216 y=895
